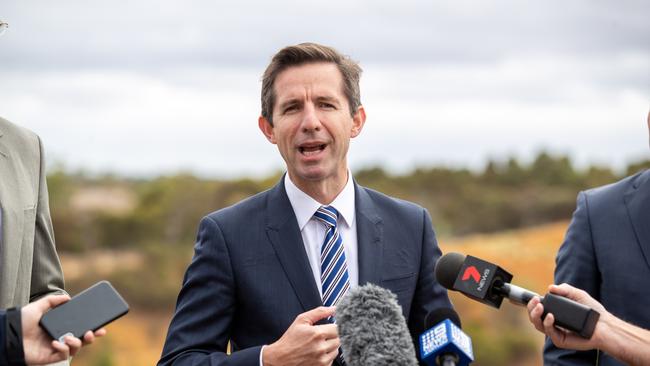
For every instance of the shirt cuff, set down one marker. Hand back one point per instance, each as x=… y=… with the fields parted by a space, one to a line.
x=261 y=355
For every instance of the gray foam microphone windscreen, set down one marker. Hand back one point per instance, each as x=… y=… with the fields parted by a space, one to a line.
x=372 y=329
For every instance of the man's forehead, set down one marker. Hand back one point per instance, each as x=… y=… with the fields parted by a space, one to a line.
x=322 y=79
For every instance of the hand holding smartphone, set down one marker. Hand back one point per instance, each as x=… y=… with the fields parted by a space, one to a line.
x=91 y=309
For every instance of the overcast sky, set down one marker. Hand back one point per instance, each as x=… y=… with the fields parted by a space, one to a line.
x=145 y=87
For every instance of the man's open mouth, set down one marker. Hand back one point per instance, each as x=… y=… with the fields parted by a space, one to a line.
x=311 y=149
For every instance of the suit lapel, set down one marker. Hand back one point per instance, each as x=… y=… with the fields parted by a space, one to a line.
x=637 y=200
x=284 y=234
x=12 y=223
x=369 y=237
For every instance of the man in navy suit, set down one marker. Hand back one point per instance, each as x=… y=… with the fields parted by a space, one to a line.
x=261 y=269
x=606 y=252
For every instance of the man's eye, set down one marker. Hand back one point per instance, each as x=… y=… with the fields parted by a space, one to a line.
x=290 y=109
x=327 y=105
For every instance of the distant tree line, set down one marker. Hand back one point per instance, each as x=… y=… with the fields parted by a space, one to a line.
x=158 y=217
x=166 y=210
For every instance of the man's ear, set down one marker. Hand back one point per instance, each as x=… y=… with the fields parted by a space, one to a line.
x=267 y=129
x=358 y=121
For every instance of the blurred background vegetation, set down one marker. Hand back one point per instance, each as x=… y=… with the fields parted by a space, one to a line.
x=139 y=234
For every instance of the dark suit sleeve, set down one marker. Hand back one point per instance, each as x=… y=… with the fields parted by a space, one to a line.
x=200 y=329
x=3 y=351
x=429 y=295
x=576 y=265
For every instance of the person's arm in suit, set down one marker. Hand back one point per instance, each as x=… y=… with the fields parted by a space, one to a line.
x=576 y=265
x=47 y=276
x=3 y=351
x=200 y=329
x=205 y=311
x=429 y=295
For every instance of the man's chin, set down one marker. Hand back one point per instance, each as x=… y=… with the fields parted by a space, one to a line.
x=310 y=174
x=313 y=175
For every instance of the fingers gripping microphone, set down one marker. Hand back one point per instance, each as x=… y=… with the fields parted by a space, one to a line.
x=372 y=329
x=444 y=344
x=488 y=283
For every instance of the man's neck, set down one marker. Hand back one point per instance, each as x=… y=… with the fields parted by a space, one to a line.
x=323 y=191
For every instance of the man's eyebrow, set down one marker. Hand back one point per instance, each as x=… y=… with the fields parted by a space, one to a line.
x=327 y=98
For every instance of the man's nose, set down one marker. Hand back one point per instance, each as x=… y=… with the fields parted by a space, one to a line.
x=310 y=120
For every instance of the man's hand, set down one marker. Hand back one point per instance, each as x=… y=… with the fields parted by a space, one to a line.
x=305 y=343
x=38 y=345
x=560 y=337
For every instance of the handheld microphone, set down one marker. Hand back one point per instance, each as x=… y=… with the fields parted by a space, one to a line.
x=372 y=328
x=488 y=283
x=444 y=343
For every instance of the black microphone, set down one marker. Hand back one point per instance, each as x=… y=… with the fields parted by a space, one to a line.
x=488 y=283
x=444 y=343
x=372 y=328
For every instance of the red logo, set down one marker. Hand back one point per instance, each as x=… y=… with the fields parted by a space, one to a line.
x=472 y=272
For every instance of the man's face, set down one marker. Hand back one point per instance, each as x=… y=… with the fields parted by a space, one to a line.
x=312 y=125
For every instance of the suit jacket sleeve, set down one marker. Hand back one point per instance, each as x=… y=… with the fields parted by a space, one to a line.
x=429 y=295
x=576 y=265
x=47 y=276
x=200 y=329
x=3 y=351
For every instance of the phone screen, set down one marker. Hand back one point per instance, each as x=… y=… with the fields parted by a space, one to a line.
x=91 y=309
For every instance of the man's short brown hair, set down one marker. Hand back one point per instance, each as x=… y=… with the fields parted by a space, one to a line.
x=310 y=53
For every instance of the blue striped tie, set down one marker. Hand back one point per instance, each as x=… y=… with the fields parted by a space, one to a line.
x=333 y=267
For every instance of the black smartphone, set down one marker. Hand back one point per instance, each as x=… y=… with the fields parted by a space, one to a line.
x=91 y=309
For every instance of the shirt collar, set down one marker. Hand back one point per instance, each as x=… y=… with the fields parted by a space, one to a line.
x=304 y=206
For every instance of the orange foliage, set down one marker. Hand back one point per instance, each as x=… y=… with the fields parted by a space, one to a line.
x=529 y=254
x=136 y=340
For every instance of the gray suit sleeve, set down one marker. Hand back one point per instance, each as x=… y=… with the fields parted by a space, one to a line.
x=576 y=265
x=47 y=276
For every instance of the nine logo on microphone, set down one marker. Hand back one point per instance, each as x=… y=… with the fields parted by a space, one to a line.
x=446 y=337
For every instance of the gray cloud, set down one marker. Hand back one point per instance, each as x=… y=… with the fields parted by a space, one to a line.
x=144 y=87
x=148 y=34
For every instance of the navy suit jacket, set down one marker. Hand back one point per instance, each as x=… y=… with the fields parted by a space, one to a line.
x=606 y=252
x=250 y=276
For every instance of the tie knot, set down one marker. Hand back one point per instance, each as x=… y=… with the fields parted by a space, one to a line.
x=327 y=215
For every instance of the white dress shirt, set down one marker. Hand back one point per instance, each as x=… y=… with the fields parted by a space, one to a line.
x=313 y=231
